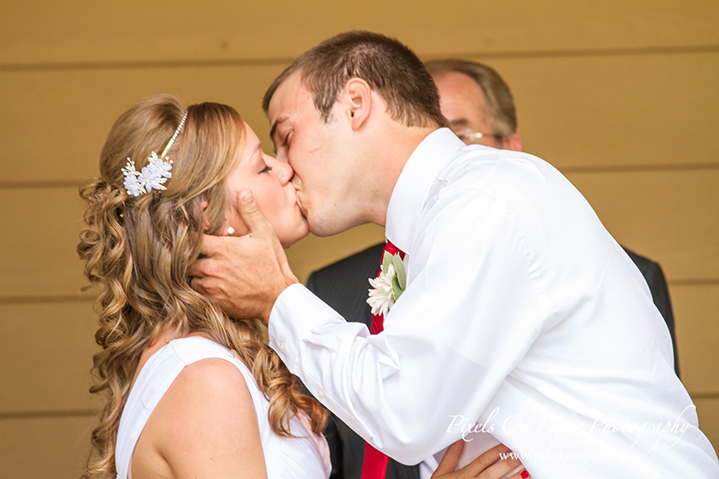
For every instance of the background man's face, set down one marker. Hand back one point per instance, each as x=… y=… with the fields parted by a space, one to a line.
x=463 y=103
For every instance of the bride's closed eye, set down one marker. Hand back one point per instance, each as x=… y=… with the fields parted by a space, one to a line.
x=266 y=169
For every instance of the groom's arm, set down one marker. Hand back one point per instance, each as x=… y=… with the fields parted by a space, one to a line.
x=466 y=319
x=468 y=316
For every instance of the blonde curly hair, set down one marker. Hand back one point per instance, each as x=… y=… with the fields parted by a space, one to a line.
x=138 y=249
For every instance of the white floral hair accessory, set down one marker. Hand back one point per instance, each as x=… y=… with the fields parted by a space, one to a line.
x=389 y=285
x=154 y=174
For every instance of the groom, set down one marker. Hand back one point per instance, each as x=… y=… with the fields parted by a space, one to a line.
x=521 y=317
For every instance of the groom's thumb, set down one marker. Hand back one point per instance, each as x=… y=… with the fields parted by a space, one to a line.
x=251 y=213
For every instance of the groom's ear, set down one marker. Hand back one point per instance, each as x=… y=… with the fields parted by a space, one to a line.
x=357 y=98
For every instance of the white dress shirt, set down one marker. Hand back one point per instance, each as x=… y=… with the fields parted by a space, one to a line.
x=522 y=316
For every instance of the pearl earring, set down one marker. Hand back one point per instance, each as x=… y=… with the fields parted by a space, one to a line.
x=230 y=230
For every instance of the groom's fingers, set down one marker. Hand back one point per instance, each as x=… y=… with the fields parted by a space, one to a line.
x=251 y=214
x=450 y=459
x=211 y=246
x=261 y=228
x=243 y=275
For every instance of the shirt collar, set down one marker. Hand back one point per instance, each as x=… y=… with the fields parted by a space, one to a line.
x=412 y=187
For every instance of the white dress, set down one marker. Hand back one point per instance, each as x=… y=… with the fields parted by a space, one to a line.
x=303 y=457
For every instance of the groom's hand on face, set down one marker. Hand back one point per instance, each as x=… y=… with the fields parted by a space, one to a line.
x=244 y=275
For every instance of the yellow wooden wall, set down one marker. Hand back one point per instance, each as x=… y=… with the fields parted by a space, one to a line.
x=621 y=95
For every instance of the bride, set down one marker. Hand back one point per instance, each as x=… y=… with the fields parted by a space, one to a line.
x=190 y=392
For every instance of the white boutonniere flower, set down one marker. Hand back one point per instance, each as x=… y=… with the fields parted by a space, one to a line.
x=388 y=286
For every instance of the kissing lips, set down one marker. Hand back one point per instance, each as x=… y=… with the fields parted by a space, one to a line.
x=299 y=206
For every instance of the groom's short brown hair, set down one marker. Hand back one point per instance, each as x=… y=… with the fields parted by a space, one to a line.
x=389 y=67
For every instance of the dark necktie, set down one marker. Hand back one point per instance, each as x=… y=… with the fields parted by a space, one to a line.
x=375 y=462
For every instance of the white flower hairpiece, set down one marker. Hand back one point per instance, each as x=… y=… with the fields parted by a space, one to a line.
x=154 y=174
x=389 y=285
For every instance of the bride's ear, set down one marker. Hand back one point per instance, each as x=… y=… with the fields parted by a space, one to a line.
x=205 y=221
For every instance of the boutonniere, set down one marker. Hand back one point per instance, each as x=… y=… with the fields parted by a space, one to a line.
x=388 y=286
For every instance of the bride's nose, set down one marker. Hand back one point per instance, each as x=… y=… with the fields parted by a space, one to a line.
x=283 y=171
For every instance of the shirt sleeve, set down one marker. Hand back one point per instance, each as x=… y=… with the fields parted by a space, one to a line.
x=473 y=306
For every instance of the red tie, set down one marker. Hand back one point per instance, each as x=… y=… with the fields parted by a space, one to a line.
x=375 y=462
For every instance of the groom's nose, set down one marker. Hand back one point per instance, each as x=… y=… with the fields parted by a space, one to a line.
x=283 y=171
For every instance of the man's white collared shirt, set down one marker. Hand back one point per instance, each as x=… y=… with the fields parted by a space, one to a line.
x=522 y=319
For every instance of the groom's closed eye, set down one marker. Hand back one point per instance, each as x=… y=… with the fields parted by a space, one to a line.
x=286 y=139
x=278 y=141
x=273 y=132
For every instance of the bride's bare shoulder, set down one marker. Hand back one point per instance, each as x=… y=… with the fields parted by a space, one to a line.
x=207 y=412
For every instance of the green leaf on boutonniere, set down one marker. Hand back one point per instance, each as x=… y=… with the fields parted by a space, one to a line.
x=399 y=279
x=400 y=273
x=386 y=261
x=396 y=290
